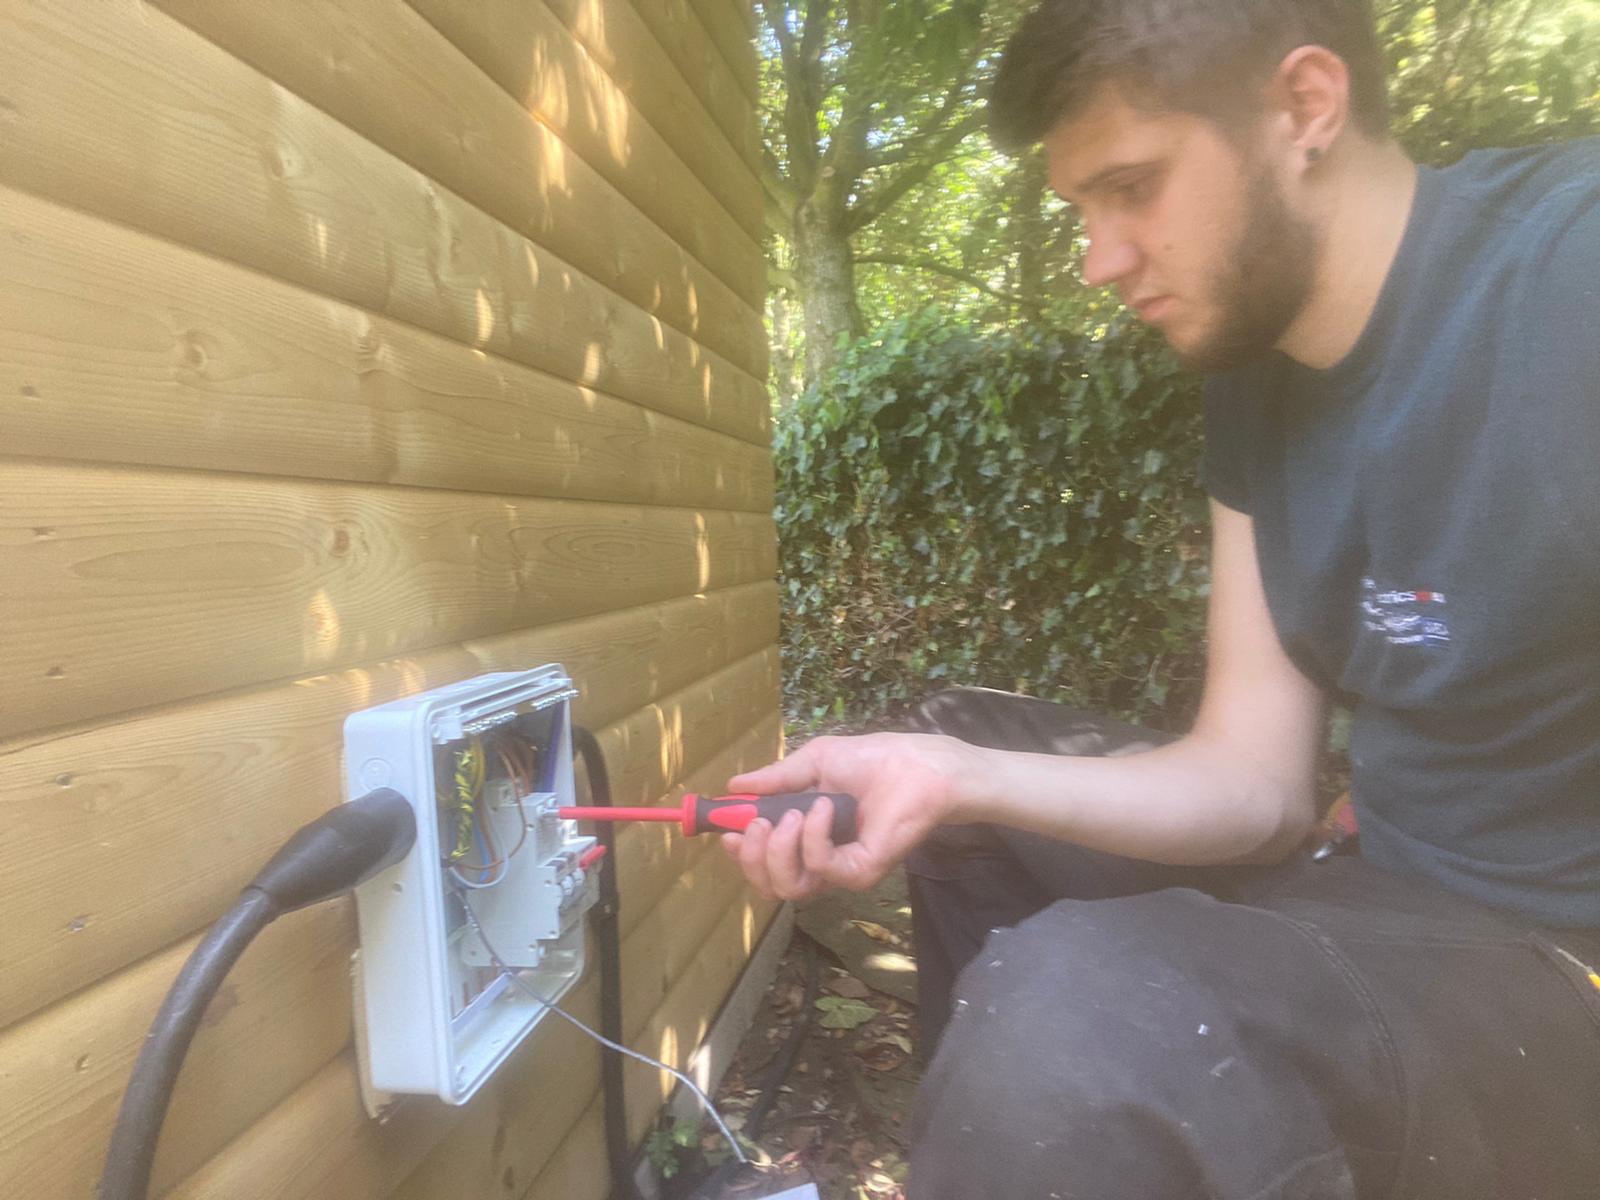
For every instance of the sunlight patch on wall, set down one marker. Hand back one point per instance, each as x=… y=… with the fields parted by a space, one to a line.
x=702 y=552
x=485 y=318
x=613 y=102
x=322 y=628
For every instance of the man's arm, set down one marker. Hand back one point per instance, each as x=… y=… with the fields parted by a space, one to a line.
x=1238 y=788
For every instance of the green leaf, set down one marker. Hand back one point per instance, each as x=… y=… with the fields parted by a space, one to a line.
x=839 y=1012
x=976 y=544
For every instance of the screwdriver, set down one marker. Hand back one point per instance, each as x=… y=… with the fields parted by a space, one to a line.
x=723 y=814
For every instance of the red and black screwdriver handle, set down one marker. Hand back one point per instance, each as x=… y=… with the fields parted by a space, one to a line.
x=724 y=814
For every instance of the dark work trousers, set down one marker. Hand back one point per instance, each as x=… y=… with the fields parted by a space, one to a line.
x=1103 y=1029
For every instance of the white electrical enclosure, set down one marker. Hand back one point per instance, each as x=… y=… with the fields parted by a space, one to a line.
x=485 y=764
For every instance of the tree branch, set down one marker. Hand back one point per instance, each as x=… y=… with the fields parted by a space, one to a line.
x=935 y=124
x=846 y=157
x=801 y=86
x=880 y=199
x=812 y=36
x=939 y=268
x=777 y=185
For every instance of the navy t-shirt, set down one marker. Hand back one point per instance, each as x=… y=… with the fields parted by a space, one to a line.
x=1427 y=520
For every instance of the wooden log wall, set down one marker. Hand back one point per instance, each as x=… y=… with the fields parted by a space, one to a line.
x=348 y=348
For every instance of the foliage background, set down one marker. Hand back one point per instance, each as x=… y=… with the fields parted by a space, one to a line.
x=1009 y=508
x=992 y=476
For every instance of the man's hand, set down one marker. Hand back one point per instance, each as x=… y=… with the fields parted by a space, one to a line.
x=906 y=783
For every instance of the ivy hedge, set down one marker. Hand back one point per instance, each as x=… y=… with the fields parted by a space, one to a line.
x=1013 y=509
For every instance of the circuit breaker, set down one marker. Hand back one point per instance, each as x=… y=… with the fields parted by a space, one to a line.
x=486 y=763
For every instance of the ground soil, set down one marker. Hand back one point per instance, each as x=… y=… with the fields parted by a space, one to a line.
x=839 y=1117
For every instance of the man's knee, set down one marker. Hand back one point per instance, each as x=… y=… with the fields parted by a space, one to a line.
x=1089 y=1049
x=1074 y=1006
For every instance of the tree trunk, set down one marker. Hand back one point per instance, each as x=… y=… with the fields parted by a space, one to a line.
x=1032 y=232
x=825 y=272
x=783 y=356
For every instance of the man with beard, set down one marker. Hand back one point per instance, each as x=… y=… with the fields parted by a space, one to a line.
x=1136 y=983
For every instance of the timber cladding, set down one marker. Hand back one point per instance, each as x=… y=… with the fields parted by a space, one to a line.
x=349 y=348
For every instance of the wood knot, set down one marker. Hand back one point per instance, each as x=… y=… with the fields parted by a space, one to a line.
x=194 y=352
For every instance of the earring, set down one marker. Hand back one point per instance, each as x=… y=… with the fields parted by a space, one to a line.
x=1313 y=153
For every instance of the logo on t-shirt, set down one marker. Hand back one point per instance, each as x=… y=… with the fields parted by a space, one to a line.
x=1404 y=618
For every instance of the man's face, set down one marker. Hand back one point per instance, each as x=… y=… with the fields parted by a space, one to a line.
x=1189 y=225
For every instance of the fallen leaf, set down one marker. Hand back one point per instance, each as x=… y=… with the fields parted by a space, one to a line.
x=876 y=932
x=839 y=1012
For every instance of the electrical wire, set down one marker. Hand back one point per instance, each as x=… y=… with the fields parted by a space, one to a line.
x=346 y=845
x=492 y=862
x=132 y=1150
x=716 y=1181
x=518 y=981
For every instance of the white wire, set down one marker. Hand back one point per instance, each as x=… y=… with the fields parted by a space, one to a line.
x=520 y=982
x=455 y=874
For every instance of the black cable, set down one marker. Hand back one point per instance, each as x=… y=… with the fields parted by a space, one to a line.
x=144 y=1104
x=321 y=860
x=608 y=934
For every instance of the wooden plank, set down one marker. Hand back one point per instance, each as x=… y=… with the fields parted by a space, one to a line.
x=733 y=41
x=218 y=157
x=679 y=32
x=167 y=815
x=284 y=1012
x=120 y=347
x=530 y=53
x=655 y=232
x=745 y=10
x=128 y=587
x=319 y=1144
x=617 y=38
x=577 y=1170
x=712 y=1059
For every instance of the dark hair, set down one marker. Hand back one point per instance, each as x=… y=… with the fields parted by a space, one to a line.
x=1202 y=56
